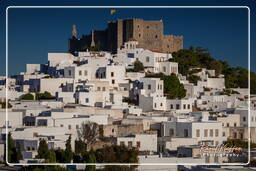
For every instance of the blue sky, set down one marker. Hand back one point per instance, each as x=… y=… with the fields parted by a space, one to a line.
x=35 y=32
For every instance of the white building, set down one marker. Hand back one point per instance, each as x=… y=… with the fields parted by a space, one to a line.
x=153 y=61
x=144 y=142
x=206 y=132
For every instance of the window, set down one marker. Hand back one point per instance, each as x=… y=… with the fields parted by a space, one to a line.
x=234 y=135
x=252 y=119
x=185 y=132
x=86 y=100
x=69 y=72
x=139 y=35
x=85 y=73
x=188 y=106
x=130 y=144
x=61 y=125
x=121 y=143
x=244 y=118
x=227 y=124
x=147 y=59
x=216 y=159
x=177 y=106
x=149 y=86
x=171 y=106
x=155 y=105
x=184 y=106
x=211 y=132
x=161 y=104
x=223 y=134
x=198 y=133
x=207 y=159
x=235 y=124
x=69 y=126
x=113 y=81
x=164 y=69
x=98 y=88
x=171 y=133
x=216 y=132
x=112 y=74
x=161 y=86
x=77 y=126
x=103 y=89
x=80 y=72
x=113 y=130
x=138 y=144
x=147 y=27
x=206 y=133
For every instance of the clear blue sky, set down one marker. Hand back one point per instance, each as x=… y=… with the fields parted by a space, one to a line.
x=35 y=32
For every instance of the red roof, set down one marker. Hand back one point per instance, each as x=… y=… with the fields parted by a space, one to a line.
x=157 y=51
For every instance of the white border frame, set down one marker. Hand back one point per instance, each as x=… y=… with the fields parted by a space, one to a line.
x=132 y=164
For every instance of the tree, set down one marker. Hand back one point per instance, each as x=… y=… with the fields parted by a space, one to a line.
x=60 y=156
x=43 y=151
x=116 y=154
x=200 y=57
x=89 y=133
x=90 y=158
x=51 y=157
x=80 y=147
x=138 y=66
x=44 y=96
x=27 y=96
x=14 y=154
x=68 y=151
x=193 y=79
x=172 y=87
x=3 y=105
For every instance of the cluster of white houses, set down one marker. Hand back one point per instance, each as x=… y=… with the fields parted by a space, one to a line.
x=91 y=87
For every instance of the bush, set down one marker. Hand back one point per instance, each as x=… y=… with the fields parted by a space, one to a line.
x=44 y=96
x=193 y=79
x=3 y=104
x=27 y=96
x=138 y=66
x=116 y=154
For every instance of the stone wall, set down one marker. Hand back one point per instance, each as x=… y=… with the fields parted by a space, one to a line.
x=149 y=34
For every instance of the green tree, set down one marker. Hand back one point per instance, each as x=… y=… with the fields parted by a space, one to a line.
x=43 y=151
x=200 y=57
x=80 y=147
x=51 y=157
x=90 y=158
x=3 y=105
x=116 y=154
x=60 y=156
x=44 y=96
x=172 y=87
x=138 y=66
x=27 y=96
x=68 y=151
x=14 y=154
x=193 y=79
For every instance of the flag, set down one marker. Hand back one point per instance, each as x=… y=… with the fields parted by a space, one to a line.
x=113 y=11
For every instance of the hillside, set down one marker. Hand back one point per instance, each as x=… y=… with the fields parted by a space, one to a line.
x=200 y=57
